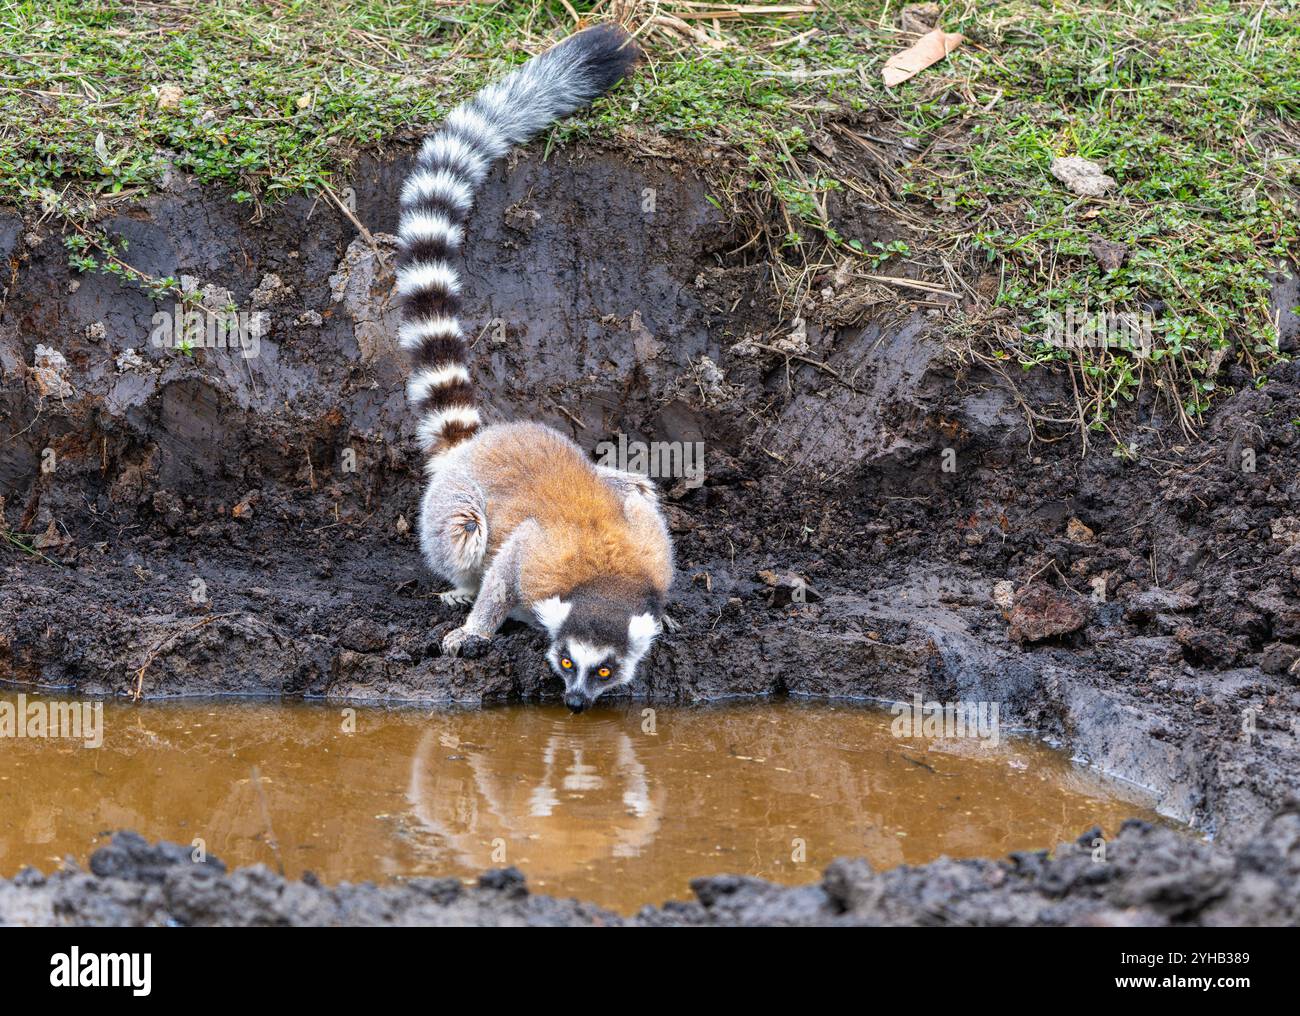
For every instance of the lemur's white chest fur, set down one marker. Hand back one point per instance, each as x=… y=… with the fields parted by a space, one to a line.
x=515 y=516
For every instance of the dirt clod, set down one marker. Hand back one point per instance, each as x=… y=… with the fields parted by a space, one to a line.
x=1082 y=176
x=1042 y=612
x=1078 y=532
x=1107 y=253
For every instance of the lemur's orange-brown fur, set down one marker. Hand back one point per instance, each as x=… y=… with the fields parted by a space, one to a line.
x=590 y=534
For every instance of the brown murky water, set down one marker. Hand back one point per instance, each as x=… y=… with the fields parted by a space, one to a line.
x=614 y=806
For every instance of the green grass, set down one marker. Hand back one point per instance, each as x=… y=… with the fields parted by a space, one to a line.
x=25 y=543
x=1194 y=109
x=276 y=97
x=1191 y=106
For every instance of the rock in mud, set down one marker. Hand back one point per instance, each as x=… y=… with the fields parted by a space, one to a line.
x=1041 y=612
x=271 y=290
x=1152 y=602
x=48 y=372
x=1078 y=532
x=1203 y=646
x=1279 y=658
x=787 y=588
x=129 y=359
x=51 y=539
x=363 y=284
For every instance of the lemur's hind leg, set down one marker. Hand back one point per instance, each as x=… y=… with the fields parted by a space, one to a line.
x=454 y=536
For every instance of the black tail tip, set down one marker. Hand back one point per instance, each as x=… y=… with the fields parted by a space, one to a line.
x=607 y=51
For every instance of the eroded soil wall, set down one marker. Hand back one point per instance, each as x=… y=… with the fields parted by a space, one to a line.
x=212 y=523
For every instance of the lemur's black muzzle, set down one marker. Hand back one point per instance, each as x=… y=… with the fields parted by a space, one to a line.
x=576 y=702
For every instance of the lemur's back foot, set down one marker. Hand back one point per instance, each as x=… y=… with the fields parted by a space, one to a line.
x=458 y=597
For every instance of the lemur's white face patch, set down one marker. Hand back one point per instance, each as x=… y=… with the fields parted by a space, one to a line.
x=587 y=657
x=579 y=664
x=551 y=614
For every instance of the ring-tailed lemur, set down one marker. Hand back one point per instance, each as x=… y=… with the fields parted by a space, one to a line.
x=514 y=515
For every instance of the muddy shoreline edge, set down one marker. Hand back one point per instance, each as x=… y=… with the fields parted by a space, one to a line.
x=1150 y=877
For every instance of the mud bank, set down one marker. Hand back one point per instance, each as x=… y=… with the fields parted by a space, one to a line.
x=1149 y=877
x=210 y=523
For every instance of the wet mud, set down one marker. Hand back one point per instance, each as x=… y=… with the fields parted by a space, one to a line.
x=874 y=520
x=1152 y=876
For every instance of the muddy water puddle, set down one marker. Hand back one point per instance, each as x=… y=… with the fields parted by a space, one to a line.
x=618 y=806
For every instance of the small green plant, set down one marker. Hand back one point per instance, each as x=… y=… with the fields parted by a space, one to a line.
x=885 y=251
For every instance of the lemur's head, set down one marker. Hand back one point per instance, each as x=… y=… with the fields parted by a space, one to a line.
x=598 y=636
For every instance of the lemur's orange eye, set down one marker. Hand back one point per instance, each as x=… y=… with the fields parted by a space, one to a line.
x=604 y=672
x=566 y=663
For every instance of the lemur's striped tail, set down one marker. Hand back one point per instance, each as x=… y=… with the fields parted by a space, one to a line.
x=437 y=198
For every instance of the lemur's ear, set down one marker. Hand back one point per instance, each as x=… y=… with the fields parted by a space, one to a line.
x=641 y=630
x=551 y=613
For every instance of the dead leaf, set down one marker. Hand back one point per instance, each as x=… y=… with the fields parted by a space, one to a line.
x=927 y=50
x=50 y=539
x=680 y=27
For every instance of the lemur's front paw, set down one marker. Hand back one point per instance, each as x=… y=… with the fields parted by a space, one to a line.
x=462 y=642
